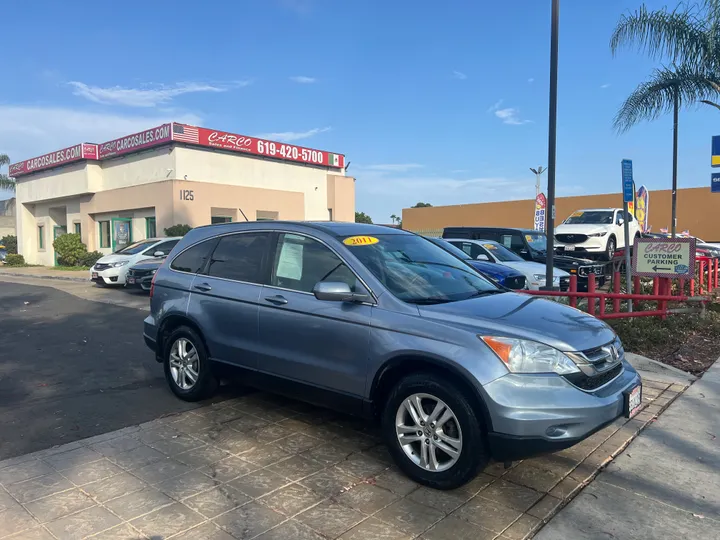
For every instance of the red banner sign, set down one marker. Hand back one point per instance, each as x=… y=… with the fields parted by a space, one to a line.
x=137 y=141
x=54 y=159
x=255 y=146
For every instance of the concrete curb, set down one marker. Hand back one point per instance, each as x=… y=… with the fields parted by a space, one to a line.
x=658 y=370
x=44 y=276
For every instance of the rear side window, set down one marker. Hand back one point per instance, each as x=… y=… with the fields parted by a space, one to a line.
x=240 y=257
x=193 y=259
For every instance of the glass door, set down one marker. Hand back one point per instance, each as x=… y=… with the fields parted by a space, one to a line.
x=121 y=233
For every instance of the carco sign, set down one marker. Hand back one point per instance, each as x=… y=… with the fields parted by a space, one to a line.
x=54 y=159
x=664 y=257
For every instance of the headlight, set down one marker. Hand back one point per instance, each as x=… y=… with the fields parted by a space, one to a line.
x=118 y=264
x=152 y=272
x=597 y=234
x=539 y=277
x=522 y=356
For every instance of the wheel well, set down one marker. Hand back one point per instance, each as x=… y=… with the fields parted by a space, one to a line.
x=171 y=323
x=397 y=368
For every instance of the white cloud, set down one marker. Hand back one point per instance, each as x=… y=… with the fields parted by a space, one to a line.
x=531 y=80
x=606 y=85
x=392 y=167
x=289 y=136
x=459 y=75
x=149 y=96
x=32 y=131
x=303 y=80
x=508 y=115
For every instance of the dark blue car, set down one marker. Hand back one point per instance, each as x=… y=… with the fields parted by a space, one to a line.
x=504 y=275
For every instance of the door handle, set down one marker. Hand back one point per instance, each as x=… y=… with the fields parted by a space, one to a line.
x=203 y=287
x=277 y=300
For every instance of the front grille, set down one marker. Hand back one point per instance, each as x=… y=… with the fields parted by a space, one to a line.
x=515 y=283
x=564 y=283
x=139 y=273
x=585 y=271
x=571 y=238
x=101 y=266
x=585 y=382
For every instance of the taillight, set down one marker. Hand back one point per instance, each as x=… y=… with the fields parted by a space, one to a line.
x=152 y=285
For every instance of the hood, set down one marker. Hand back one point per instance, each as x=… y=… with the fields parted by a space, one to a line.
x=149 y=264
x=525 y=317
x=494 y=270
x=113 y=258
x=527 y=267
x=580 y=228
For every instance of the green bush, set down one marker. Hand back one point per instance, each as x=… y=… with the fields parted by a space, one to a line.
x=69 y=249
x=10 y=243
x=13 y=259
x=178 y=230
x=90 y=258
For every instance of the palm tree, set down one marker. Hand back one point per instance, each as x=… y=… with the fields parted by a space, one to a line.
x=5 y=181
x=394 y=218
x=689 y=39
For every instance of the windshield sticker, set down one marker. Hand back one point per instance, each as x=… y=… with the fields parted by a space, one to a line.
x=360 y=240
x=489 y=246
x=529 y=238
x=577 y=214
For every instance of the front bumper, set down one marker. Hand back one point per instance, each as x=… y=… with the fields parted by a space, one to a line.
x=143 y=283
x=109 y=276
x=535 y=414
x=591 y=245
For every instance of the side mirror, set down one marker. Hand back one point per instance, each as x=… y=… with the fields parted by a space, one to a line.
x=482 y=257
x=621 y=221
x=159 y=254
x=336 y=291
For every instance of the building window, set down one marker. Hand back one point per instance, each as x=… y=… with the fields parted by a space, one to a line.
x=150 y=228
x=104 y=234
x=330 y=214
x=41 y=237
x=264 y=215
x=220 y=219
x=78 y=229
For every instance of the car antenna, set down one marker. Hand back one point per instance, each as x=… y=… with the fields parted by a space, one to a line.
x=243 y=213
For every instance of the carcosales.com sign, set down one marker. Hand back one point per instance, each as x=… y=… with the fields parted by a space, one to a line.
x=54 y=159
x=664 y=257
x=136 y=141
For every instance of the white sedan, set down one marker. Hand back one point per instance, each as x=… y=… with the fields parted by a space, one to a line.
x=112 y=269
x=487 y=250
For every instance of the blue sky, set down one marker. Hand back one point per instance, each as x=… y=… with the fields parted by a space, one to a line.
x=446 y=106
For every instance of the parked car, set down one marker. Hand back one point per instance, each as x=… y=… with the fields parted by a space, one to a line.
x=487 y=250
x=596 y=231
x=3 y=253
x=502 y=275
x=112 y=269
x=380 y=322
x=531 y=246
x=139 y=275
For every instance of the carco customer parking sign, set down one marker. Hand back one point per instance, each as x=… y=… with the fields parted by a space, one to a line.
x=666 y=257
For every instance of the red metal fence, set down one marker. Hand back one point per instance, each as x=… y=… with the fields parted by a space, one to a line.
x=664 y=292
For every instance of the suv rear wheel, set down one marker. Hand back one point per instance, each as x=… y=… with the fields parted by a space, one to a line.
x=433 y=432
x=187 y=366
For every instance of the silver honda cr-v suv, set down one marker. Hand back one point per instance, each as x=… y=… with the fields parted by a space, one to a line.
x=383 y=323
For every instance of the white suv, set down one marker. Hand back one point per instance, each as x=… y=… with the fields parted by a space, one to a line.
x=112 y=269
x=598 y=231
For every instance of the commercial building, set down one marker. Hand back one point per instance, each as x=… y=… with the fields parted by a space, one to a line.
x=697 y=212
x=7 y=218
x=134 y=187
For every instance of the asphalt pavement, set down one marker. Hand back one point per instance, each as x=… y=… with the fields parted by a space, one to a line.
x=71 y=368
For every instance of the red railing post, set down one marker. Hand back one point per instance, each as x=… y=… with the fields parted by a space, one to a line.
x=637 y=289
x=681 y=287
x=616 y=289
x=573 y=289
x=692 y=287
x=665 y=289
x=591 y=299
x=717 y=267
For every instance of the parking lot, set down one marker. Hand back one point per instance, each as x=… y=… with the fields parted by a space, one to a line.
x=136 y=462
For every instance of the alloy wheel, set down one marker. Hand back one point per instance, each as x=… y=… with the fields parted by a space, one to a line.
x=428 y=432
x=184 y=363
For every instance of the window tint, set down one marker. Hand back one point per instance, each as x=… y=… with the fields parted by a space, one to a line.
x=301 y=263
x=239 y=257
x=192 y=260
x=165 y=247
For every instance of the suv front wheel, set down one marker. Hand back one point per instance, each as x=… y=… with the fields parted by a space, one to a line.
x=433 y=432
x=187 y=366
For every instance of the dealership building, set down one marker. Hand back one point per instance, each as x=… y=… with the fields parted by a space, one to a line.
x=134 y=187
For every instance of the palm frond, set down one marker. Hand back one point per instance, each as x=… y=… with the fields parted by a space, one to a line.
x=680 y=35
x=4 y=160
x=656 y=96
x=7 y=183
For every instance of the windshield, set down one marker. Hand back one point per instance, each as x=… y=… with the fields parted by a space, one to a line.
x=500 y=252
x=417 y=271
x=447 y=246
x=591 y=217
x=136 y=248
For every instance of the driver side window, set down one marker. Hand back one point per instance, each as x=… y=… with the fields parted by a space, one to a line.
x=302 y=262
x=618 y=218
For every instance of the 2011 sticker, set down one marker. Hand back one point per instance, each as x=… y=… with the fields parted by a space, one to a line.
x=489 y=246
x=577 y=214
x=360 y=241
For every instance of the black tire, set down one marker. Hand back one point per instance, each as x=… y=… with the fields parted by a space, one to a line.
x=207 y=383
x=610 y=248
x=473 y=455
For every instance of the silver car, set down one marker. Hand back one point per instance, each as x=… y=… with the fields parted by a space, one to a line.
x=382 y=323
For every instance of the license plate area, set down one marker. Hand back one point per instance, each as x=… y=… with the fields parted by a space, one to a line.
x=569 y=248
x=94 y=275
x=633 y=401
x=131 y=280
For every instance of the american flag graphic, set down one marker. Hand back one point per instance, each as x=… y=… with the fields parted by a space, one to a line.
x=187 y=134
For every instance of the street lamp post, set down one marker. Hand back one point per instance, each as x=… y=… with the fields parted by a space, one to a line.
x=552 y=140
x=538 y=173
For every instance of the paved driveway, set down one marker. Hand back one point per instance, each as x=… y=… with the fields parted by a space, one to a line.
x=71 y=368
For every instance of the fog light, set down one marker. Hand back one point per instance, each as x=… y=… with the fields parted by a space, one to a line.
x=556 y=431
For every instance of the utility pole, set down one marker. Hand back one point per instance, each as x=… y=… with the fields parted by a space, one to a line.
x=538 y=173
x=552 y=141
x=676 y=107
